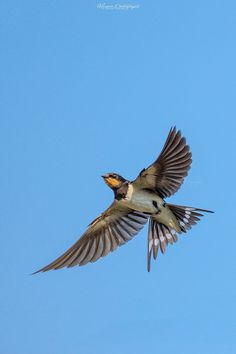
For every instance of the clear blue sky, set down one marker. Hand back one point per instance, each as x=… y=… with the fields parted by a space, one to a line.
x=85 y=91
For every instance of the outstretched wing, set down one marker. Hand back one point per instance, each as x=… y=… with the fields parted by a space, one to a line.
x=167 y=173
x=111 y=229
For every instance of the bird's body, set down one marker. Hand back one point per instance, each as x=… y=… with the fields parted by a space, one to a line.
x=143 y=200
x=136 y=202
x=147 y=201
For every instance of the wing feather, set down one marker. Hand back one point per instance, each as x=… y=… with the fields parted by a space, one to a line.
x=111 y=229
x=167 y=173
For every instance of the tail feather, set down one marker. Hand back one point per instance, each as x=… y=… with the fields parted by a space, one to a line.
x=159 y=235
x=152 y=243
x=187 y=216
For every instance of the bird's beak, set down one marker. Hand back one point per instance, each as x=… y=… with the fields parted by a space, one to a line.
x=104 y=176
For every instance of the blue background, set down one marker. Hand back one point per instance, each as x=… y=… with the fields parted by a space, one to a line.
x=85 y=91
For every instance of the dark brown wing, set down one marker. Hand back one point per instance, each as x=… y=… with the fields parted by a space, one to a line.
x=111 y=229
x=167 y=173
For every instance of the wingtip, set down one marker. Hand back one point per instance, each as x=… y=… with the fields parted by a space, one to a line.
x=175 y=131
x=36 y=272
x=41 y=270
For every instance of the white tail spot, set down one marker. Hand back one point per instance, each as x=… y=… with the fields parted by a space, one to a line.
x=150 y=245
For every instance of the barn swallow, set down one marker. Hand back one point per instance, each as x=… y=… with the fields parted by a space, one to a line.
x=136 y=202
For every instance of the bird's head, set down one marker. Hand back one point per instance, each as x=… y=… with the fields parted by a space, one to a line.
x=113 y=180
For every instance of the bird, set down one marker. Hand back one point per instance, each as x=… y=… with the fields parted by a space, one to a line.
x=136 y=203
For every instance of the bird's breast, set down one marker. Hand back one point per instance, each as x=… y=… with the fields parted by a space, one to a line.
x=142 y=200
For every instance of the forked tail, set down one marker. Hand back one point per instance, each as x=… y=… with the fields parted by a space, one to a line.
x=159 y=235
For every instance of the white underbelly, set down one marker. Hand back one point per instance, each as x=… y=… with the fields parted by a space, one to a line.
x=142 y=200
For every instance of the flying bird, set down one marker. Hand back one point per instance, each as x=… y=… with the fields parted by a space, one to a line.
x=135 y=203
